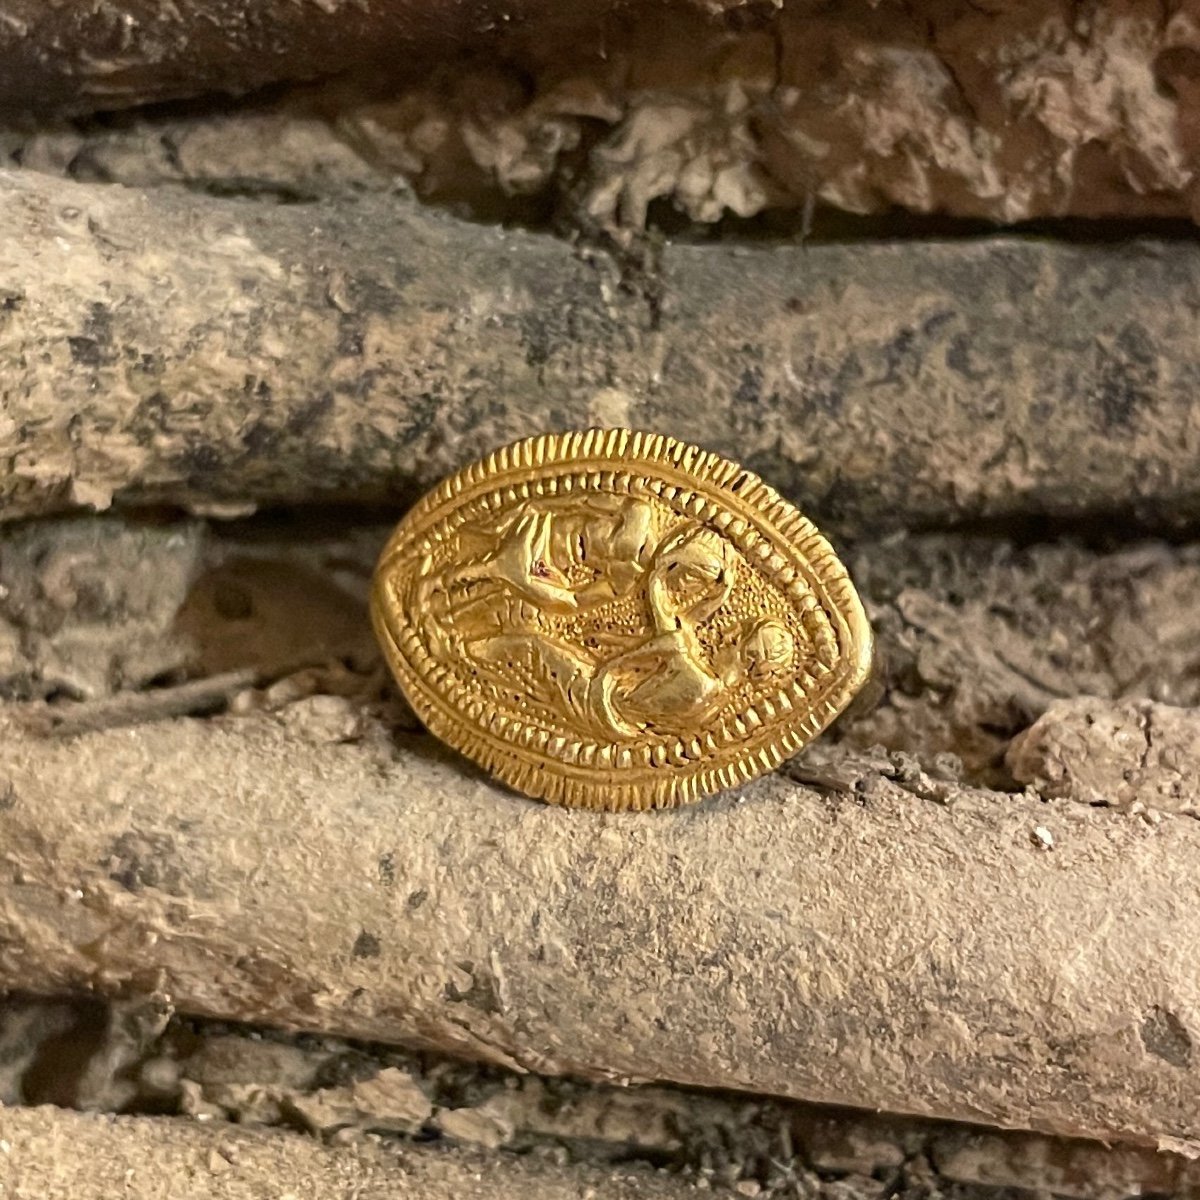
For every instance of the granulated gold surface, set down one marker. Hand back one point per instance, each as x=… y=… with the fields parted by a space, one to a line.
x=618 y=620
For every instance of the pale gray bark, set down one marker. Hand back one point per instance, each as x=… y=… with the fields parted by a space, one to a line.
x=899 y=944
x=57 y=1155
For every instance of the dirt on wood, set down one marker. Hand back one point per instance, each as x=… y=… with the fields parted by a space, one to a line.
x=164 y=348
x=614 y=115
x=425 y=1116
x=282 y=943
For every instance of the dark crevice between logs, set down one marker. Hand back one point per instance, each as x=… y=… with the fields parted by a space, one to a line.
x=96 y=1056
x=548 y=209
x=980 y=634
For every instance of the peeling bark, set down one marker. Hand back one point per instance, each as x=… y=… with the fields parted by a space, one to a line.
x=1007 y=112
x=259 y=1078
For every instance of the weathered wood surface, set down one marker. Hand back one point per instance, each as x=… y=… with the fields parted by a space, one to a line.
x=72 y=56
x=226 y=1081
x=187 y=350
x=895 y=944
x=1008 y=112
x=50 y=1154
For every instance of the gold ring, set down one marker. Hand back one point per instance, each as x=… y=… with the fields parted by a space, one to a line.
x=618 y=620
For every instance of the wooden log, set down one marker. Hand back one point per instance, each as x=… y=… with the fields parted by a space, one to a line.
x=890 y=945
x=57 y=55
x=50 y=1153
x=706 y=106
x=178 y=349
x=137 y=1059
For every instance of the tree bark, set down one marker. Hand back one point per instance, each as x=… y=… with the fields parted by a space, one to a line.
x=706 y=106
x=893 y=944
x=191 y=351
x=61 y=55
x=54 y=1154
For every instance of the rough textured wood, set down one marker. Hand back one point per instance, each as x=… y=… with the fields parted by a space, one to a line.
x=49 y=1154
x=893 y=945
x=62 y=54
x=1008 y=111
x=223 y=354
x=892 y=939
x=135 y=1059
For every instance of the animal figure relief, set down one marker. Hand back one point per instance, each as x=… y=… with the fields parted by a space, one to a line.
x=598 y=634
